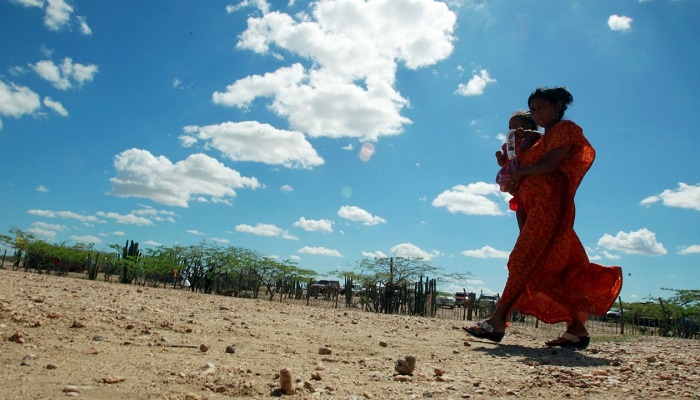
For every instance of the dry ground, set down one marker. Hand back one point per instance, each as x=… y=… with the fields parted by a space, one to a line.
x=65 y=337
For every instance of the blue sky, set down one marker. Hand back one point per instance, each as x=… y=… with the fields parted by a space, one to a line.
x=324 y=132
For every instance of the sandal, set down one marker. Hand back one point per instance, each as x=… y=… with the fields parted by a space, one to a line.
x=568 y=340
x=484 y=330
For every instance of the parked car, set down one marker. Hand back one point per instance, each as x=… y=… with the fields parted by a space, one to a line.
x=323 y=286
x=445 y=300
x=461 y=299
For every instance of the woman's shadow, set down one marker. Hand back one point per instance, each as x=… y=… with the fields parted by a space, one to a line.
x=560 y=356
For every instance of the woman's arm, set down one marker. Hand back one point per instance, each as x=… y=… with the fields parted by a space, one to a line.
x=546 y=165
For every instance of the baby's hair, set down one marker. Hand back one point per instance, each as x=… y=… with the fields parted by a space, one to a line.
x=525 y=117
x=553 y=95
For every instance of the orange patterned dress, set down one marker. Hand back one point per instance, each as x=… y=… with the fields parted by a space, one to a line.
x=549 y=267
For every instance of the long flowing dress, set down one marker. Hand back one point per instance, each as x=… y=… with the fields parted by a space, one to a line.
x=548 y=266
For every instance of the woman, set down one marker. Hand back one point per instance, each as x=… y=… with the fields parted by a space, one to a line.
x=549 y=274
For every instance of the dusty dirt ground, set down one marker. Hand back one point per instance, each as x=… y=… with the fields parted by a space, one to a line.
x=65 y=337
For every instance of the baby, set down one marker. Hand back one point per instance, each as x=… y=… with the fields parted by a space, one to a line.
x=521 y=136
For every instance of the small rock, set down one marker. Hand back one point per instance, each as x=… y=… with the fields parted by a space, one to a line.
x=309 y=386
x=316 y=376
x=54 y=315
x=231 y=349
x=208 y=368
x=51 y=366
x=17 y=338
x=77 y=324
x=71 y=389
x=439 y=371
x=383 y=344
x=113 y=379
x=131 y=326
x=406 y=365
x=287 y=382
x=203 y=348
x=325 y=351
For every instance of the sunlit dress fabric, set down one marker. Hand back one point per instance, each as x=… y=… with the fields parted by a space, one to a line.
x=548 y=266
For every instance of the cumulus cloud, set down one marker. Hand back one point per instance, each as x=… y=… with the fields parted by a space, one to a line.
x=16 y=101
x=486 y=252
x=42 y=189
x=85 y=219
x=312 y=225
x=410 y=250
x=126 y=219
x=319 y=251
x=642 y=242
x=476 y=85
x=347 y=88
x=253 y=141
x=375 y=254
x=65 y=75
x=472 y=199
x=265 y=230
x=87 y=239
x=692 y=249
x=84 y=27
x=685 y=196
x=56 y=106
x=141 y=174
x=356 y=214
x=619 y=23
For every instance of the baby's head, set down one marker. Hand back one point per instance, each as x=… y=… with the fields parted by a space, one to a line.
x=522 y=119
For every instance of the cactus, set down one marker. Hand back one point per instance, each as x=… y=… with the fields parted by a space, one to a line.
x=130 y=254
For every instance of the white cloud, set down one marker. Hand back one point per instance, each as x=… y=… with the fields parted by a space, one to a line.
x=619 y=23
x=319 y=251
x=356 y=214
x=409 y=250
x=471 y=199
x=487 y=252
x=140 y=174
x=347 y=89
x=286 y=188
x=685 y=196
x=128 y=219
x=253 y=141
x=476 y=85
x=85 y=219
x=56 y=106
x=63 y=76
x=375 y=254
x=16 y=101
x=87 y=239
x=84 y=27
x=265 y=230
x=692 y=249
x=312 y=225
x=29 y=3
x=194 y=232
x=42 y=189
x=641 y=242
x=152 y=243
x=58 y=14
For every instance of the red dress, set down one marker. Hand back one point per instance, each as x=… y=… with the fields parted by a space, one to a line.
x=549 y=264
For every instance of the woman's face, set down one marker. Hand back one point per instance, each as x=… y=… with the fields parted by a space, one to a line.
x=544 y=112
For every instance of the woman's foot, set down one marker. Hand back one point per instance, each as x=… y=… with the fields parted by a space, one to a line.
x=484 y=330
x=569 y=340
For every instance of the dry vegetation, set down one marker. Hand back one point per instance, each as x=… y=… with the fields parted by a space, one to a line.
x=66 y=337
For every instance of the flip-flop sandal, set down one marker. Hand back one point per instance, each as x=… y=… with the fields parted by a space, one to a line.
x=484 y=330
x=568 y=340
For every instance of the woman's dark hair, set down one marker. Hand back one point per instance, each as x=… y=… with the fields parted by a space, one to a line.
x=553 y=95
x=526 y=118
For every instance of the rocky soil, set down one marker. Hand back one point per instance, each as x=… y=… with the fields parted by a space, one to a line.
x=67 y=337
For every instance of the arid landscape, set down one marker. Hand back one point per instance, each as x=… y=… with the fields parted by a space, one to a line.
x=67 y=337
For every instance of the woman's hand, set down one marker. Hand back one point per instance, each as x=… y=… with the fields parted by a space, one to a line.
x=514 y=182
x=501 y=158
